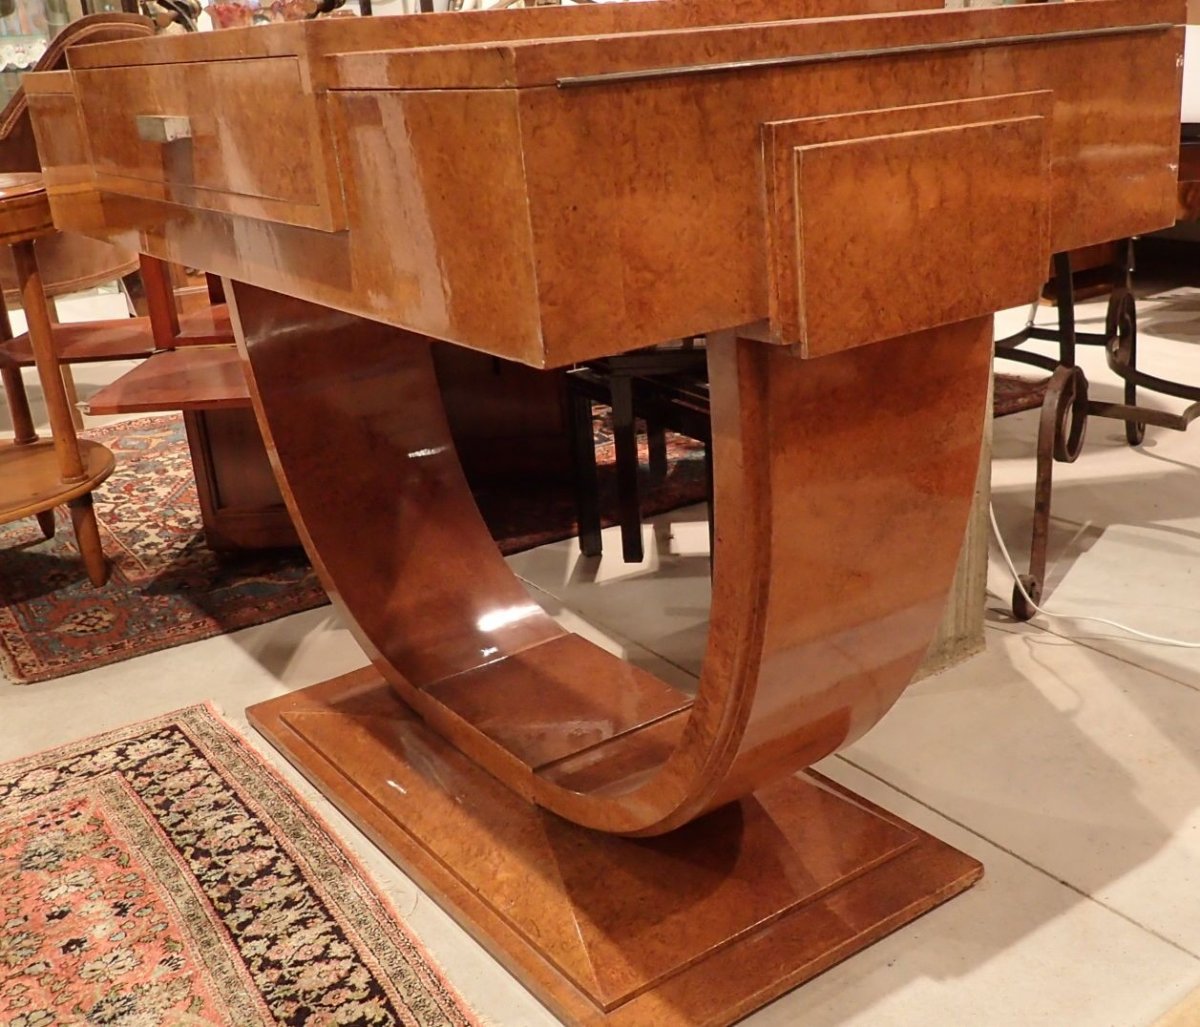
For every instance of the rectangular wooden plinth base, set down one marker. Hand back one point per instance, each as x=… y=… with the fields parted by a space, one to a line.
x=700 y=926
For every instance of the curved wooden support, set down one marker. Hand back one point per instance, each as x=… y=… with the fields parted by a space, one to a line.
x=842 y=491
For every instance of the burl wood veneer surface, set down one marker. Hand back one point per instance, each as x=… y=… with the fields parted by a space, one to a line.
x=618 y=214
x=849 y=476
x=696 y=928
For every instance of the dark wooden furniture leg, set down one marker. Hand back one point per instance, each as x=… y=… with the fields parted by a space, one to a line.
x=656 y=443
x=583 y=457
x=624 y=429
x=240 y=505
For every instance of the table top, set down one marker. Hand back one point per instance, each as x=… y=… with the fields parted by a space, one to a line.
x=612 y=157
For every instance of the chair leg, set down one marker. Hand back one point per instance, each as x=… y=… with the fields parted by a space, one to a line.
x=583 y=464
x=1061 y=432
x=18 y=406
x=656 y=440
x=1121 y=325
x=46 y=522
x=625 y=446
x=87 y=536
x=68 y=377
x=1065 y=289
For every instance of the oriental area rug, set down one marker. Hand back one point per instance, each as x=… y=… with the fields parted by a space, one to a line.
x=163 y=875
x=168 y=588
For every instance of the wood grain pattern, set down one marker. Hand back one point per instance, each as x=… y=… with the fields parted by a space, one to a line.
x=35 y=477
x=68 y=262
x=192 y=378
x=454 y=632
x=925 y=231
x=620 y=212
x=972 y=242
x=31 y=482
x=673 y=241
x=695 y=929
x=208 y=170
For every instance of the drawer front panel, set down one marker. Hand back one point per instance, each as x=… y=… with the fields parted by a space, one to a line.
x=241 y=136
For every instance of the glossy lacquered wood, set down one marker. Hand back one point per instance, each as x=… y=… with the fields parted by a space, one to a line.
x=193 y=378
x=83 y=342
x=972 y=238
x=24 y=208
x=206 y=169
x=559 y=720
x=240 y=504
x=578 y=184
x=695 y=929
x=668 y=218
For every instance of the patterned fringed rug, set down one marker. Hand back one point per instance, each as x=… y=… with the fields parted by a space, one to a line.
x=162 y=875
x=167 y=587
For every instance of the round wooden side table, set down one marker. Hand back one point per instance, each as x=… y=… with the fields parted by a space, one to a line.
x=36 y=476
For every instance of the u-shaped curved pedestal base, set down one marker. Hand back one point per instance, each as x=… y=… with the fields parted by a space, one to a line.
x=842 y=490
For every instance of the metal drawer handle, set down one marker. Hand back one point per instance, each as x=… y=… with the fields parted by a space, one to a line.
x=163 y=128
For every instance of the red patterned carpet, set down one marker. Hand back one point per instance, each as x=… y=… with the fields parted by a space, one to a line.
x=163 y=875
x=168 y=588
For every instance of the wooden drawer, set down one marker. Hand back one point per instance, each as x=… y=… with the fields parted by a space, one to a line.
x=248 y=138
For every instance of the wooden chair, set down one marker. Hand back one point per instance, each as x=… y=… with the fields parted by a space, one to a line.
x=666 y=388
x=68 y=262
x=35 y=476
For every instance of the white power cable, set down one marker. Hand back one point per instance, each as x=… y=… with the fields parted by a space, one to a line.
x=1076 y=616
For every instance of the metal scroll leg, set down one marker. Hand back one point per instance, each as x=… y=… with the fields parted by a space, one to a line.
x=1061 y=432
x=1121 y=333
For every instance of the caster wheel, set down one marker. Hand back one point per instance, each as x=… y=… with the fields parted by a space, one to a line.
x=1021 y=608
x=1135 y=432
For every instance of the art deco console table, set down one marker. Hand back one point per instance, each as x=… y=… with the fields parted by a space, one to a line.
x=840 y=203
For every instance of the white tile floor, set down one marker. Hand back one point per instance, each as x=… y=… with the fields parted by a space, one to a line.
x=1065 y=757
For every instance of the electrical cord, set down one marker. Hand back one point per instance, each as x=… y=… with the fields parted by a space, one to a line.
x=1076 y=616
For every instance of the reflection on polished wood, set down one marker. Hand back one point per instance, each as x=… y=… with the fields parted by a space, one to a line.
x=560 y=721
x=839 y=204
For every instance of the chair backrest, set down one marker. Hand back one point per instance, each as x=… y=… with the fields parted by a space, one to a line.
x=68 y=261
